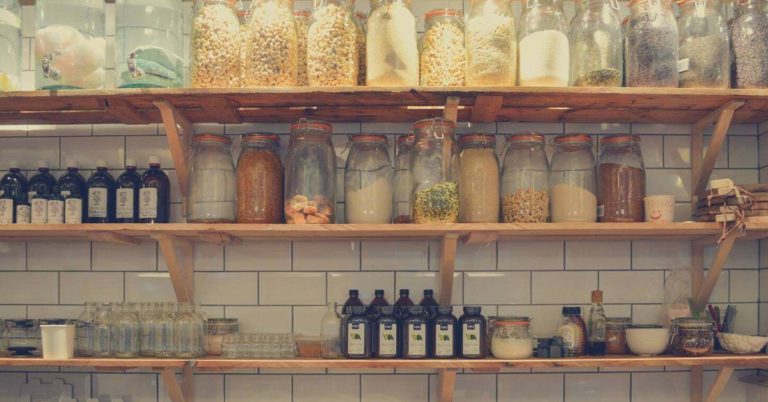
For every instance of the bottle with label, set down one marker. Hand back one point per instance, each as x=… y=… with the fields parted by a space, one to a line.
x=39 y=205
x=101 y=195
x=377 y=303
x=386 y=334
x=402 y=304
x=17 y=182
x=329 y=333
x=597 y=325
x=353 y=300
x=23 y=210
x=127 y=194
x=72 y=182
x=73 y=208
x=7 y=205
x=429 y=303
x=155 y=194
x=55 y=207
x=43 y=181
x=356 y=334
x=442 y=334
x=415 y=333
x=573 y=331
x=472 y=328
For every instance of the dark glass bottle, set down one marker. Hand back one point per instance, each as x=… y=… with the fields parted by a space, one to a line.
x=43 y=181
x=38 y=203
x=73 y=208
x=101 y=195
x=23 y=210
x=127 y=194
x=7 y=205
x=429 y=303
x=378 y=301
x=17 y=182
x=402 y=303
x=472 y=328
x=442 y=334
x=72 y=182
x=356 y=334
x=55 y=207
x=155 y=194
x=353 y=300
x=386 y=334
x=415 y=333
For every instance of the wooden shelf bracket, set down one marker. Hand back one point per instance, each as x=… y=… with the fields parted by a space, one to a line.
x=452 y=108
x=179 y=257
x=112 y=237
x=719 y=385
x=447 y=380
x=703 y=292
x=179 y=132
x=486 y=108
x=179 y=392
x=449 y=245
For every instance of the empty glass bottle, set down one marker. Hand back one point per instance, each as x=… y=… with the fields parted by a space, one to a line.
x=189 y=332
x=102 y=331
x=165 y=334
x=150 y=319
x=126 y=331
x=596 y=45
x=84 y=331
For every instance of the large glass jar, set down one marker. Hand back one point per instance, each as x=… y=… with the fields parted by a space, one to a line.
x=190 y=332
x=332 y=56
x=10 y=32
x=310 y=174
x=259 y=180
x=749 y=36
x=212 y=181
x=616 y=335
x=478 y=179
x=126 y=331
x=597 y=59
x=70 y=49
x=443 y=58
x=491 y=42
x=361 y=22
x=434 y=171
x=652 y=45
x=215 y=44
x=621 y=180
x=511 y=338
x=148 y=41
x=524 y=180
x=402 y=194
x=692 y=336
x=544 y=45
x=704 y=45
x=392 y=52
x=102 y=331
x=303 y=19
x=368 y=187
x=271 y=47
x=573 y=180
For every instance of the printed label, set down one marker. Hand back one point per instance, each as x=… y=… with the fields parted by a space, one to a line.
x=39 y=210
x=97 y=202
x=6 y=210
x=417 y=340
x=73 y=210
x=683 y=65
x=23 y=214
x=355 y=339
x=471 y=340
x=55 y=211
x=600 y=211
x=444 y=340
x=65 y=193
x=124 y=203
x=148 y=203
x=387 y=339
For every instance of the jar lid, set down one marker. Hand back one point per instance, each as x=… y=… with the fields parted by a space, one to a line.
x=443 y=12
x=618 y=321
x=260 y=137
x=646 y=326
x=571 y=310
x=302 y=13
x=692 y=322
x=212 y=137
x=222 y=321
x=426 y=123
x=314 y=124
x=620 y=139
x=507 y=321
x=573 y=138
x=368 y=138
x=477 y=138
x=533 y=137
x=404 y=138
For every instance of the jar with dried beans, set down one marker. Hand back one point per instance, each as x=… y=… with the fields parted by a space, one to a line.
x=215 y=45
x=332 y=45
x=259 y=180
x=443 y=58
x=271 y=45
x=524 y=180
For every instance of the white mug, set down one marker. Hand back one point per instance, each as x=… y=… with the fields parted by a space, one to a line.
x=660 y=208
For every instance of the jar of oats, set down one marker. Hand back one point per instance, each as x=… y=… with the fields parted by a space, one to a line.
x=524 y=180
x=443 y=59
x=332 y=55
x=302 y=29
x=478 y=179
x=271 y=45
x=491 y=44
x=215 y=45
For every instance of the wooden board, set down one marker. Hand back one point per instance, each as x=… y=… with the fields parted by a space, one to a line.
x=94 y=362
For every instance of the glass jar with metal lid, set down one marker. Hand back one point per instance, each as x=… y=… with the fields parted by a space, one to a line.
x=573 y=180
x=616 y=336
x=212 y=181
x=652 y=44
x=443 y=58
x=621 y=180
x=402 y=193
x=216 y=330
x=544 y=45
x=368 y=187
x=392 y=52
x=749 y=37
x=692 y=336
x=259 y=180
x=271 y=47
x=491 y=44
x=597 y=58
x=434 y=172
x=215 y=45
x=511 y=338
x=704 y=45
x=10 y=26
x=478 y=179
x=524 y=180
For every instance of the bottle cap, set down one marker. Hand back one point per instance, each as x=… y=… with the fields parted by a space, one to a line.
x=444 y=309
x=429 y=292
x=473 y=310
x=387 y=310
x=571 y=310
x=130 y=163
x=354 y=293
x=42 y=164
x=379 y=292
x=71 y=163
x=404 y=292
x=154 y=160
x=13 y=165
x=357 y=309
x=597 y=296
x=101 y=163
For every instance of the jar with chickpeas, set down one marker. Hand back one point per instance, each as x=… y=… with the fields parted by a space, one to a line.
x=524 y=180
x=215 y=44
x=271 y=53
x=332 y=50
x=443 y=59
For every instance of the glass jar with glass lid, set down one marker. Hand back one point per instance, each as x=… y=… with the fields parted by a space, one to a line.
x=621 y=180
x=402 y=193
x=392 y=55
x=616 y=335
x=597 y=58
x=70 y=49
x=215 y=44
x=259 y=180
x=704 y=45
x=478 y=179
x=10 y=32
x=749 y=38
x=692 y=336
x=148 y=41
x=332 y=55
x=524 y=180
x=544 y=45
x=443 y=58
x=310 y=174
x=368 y=175
x=573 y=180
x=491 y=41
x=652 y=44
x=511 y=338
x=212 y=180
x=271 y=46
x=434 y=172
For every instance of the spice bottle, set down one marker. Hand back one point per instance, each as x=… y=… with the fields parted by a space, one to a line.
x=356 y=334
x=524 y=180
x=310 y=174
x=127 y=199
x=215 y=45
x=73 y=208
x=692 y=336
x=7 y=205
x=749 y=36
x=621 y=180
x=573 y=331
x=19 y=186
x=597 y=59
x=652 y=45
x=573 y=180
x=402 y=304
x=271 y=46
x=704 y=45
x=478 y=179
x=386 y=334
x=259 y=180
x=101 y=195
x=597 y=324
x=491 y=41
x=353 y=300
x=442 y=334
x=402 y=193
x=55 y=207
x=72 y=182
x=155 y=194
x=368 y=187
x=443 y=58
x=434 y=172
x=212 y=188
x=392 y=54
x=332 y=58
x=544 y=45
x=473 y=342
x=429 y=303
x=414 y=331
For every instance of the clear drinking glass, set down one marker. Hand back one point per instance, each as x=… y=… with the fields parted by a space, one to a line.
x=190 y=333
x=165 y=334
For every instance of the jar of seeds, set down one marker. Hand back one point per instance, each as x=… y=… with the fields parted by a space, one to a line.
x=332 y=59
x=402 y=193
x=443 y=59
x=597 y=59
x=215 y=45
x=361 y=21
x=491 y=44
x=544 y=45
x=434 y=171
x=259 y=180
x=524 y=180
x=271 y=45
x=652 y=45
x=749 y=38
x=302 y=29
x=704 y=45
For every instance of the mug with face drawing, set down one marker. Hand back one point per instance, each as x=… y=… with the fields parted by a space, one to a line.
x=660 y=208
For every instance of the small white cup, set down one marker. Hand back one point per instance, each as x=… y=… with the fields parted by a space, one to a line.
x=660 y=208
x=58 y=341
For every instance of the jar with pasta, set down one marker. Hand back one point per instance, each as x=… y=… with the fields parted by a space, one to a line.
x=544 y=45
x=621 y=180
x=212 y=180
x=402 y=194
x=368 y=187
x=303 y=18
x=443 y=58
x=361 y=21
x=332 y=45
x=392 y=53
x=434 y=172
x=271 y=45
x=478 y=179
x=573 y=180
x=597 y=58
x=259 y=180
x=491 y=44
x=524 y=180
x=215 y=45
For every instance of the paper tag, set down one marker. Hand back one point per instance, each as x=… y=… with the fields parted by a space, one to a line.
x=148 y=203
x=387 y=339
x=39 y=210
x=6 y=210
x=124 y=203
x=97 y=202
x=73 y=210
x=55 y=211
x=683 y=65
x=417 y=340
x=356 y=339
x=23 y=214
x=444 y=340
x=471 y=340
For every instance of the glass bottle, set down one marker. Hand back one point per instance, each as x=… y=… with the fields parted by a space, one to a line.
x=73 y=208
x=511 y=338
x=402 y=303
x=126 y=337
x=165 y=335
x=102 y=331
x=403 y=188
x=361 y=21
x=414 y=334
x=127 y=194
x=478 y=179
x=19 y=186
x=473 y=334
x=70 y=47
x=368 y=178
x=491 y=40
x=84 y=331
x=10 y=30
x=356 y=334
x=429 y=303
x=442 y=334
x=303 y=19
x=573 y=330
x=212 y=181
x=434 y=172
x=23 y=210
x=597 y=58
x=443 y=59
x=150 y=319
x=332 y=58
x=544 y=45
x=72 y=182
x=386 y=334
x=43 y=181
x=392 y=55
x=7 y=205
x=573 y=180
x=597 y=325
x=271 y=46
x=55 y=208
x=329 y=333
x=377 y=303
x=215 y=45
x=101 y=195
x=652 y=45
x=704 y=45
x=749 y=38
x=524 y=180
x=353 y=300
x=621 y=180
x=259 y=180
x=155 y=194
x=189 y=331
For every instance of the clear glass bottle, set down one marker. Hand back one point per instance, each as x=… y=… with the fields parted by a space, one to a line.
x=491 y=40
x=402 y=193
x=271 y=47
x=361 y=21
x=597 y=325
x=368 y=187
x=212 y=181
x=329 y=333
x=149 y=319
x=704 y=45
x=544 y=45
x=749 y=38
x=524 y=180
x=303 y=19
x=652 y=45
x=443 y=59
x=573 y=180
x=332 y=58
x=511 y=338
x=478 y=179
x=165 y=335
x=126 y=331
x=621 y=180
x=259 y=180
x=84 y=331
x=215 y=45
x=10 y=31
x=434 y=172
x=597 y=58
x=102 y=331
x=392 y=56
x=189 y=332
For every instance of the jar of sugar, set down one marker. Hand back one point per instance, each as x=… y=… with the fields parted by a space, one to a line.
x=511 y=338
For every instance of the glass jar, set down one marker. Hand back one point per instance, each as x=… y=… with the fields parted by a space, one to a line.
x=361 y=21
x=368 y=187
x=310 y=174
x=511 y=338
x=212 y=181
x=10 y=31
x=126 y=331
x=573 y=330
x=303 y=19
x=596 y=48
x=616 y=335
x=652 y=44
x=216 y=330
x=271 y=47
x=491 y=41
x=392 y=56
x=84 y=336
x=259 y=180
x=165 y=335
x=434 y=168
x=621 y=180
x=573 y=180
x=215 y=45
x=704 y=45
x=148 y=41
x=544 y=45
x=23 y=337
x=332 y=56
x=102 y=331
x=70 y=49
x=189 y=331
x=402 y=193
x=524 y=188
x=443 y=58
x=149 y=318
x=692 y=336
x=749 y=36
x=478 y=179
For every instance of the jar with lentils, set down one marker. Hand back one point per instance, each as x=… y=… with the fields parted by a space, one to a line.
x=443 y=59
x=434 y=172
x=271 y=45
x=332 y=52
x=215 y=45
x=616 y=335
x=705 y=60
x=259 y=180
x=524 y=180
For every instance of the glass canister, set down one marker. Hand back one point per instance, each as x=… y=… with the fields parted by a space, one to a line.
x=544 y=45
x=692 y=336
x=491 y=41
x=84 y=335
x=621 y=180
x=310 y=174
x=597 y=58
x=749 y=38
x=434 y=172
x=361 y=27
x=150 y=318
x=189 y=331
x=216 y=330
x=148 y=42
x=402 y=193
x=70 y=49
x=23 y=337
x=704 y=45
x=102 y=331
x=165 y=334
x=392 y=56
x=212 y=181
x=10 y=32
x=126 y=331
x=303 y=18
x=511 y=338
x=478 y=179
x=573 y=180
x=271 y=47
x=616 y=335
x=368 y=186
x=332 y=52
x=652 y=45
x=443 y=58
x=259 y=180
x=215 y=45
x=524 y=180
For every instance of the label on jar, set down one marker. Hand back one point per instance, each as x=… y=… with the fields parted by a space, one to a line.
x=471 y=340
x=73 y=210
x=6 y=210
x=124 y=203
x=417 y=340
x=23 y=214
x=39 y=210
x=148 y=203
x=355 y=339
x=97 y=202
x=570 y=335
x=387 y=339
x=683 y=65
x=601 y=211
x=55 y=211
x=444 y=340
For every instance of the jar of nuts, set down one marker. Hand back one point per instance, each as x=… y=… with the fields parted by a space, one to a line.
x=332 y=52
x=443 y=59
x=302 y=29
x=361 y=21
x=215 y=45
x=524 y=180
x=271 y=45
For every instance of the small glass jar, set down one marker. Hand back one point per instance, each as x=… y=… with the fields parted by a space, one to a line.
x=368 y=187
x=271 y=48
x=212 y=181
x=573 y=330
x=10 y=26
x=165 y=334
x=524 y=188
x=544 y=45
x=616 y=335
x=149 y=318
x=303 y=19
x=573 y=180
x=652 y=45
x=361 y=21
x=259 y=180
x=749 y=38
x=491 y=41
x=443 y=58
x=332 y=52
x=478 y=179
x=621 y=180
x=310 y=174
x=704 y=45
x=434 y=172
x=22 y=337
x=597 y=58
x=102 y=331
x=511 y=338
x=189 y=331
x=84 y=331
x=392 y=55
x=126 y=331
x=216 y=330
x=215 y=45
x=402 y=193
x=692 y=336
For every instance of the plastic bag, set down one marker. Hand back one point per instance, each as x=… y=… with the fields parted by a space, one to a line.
x=677 y=292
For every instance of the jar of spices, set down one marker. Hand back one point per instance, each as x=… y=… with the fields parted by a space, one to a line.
x=652 y=44
x=544 y=45
x=434 y=168
x=332 y=58
x=692 y=336
x=310 y=174
x=621 y=186
x=704 y=45
x=360 y=29
x=749 y=36
x=212 y=181
x=303 y=19
x=573 y=180
x=271 y=47
x=443 y=59
x=491 y=41
x=402 y=193
x=259 y=180
x=216 y=330
x=368 y=187
x=215 y=45
x=597 y=58
x=573 y=331
x=10 y=65
x=511 y=338
x=524 y=178
x=616 y=335
x=392 y=55
x=479 y=179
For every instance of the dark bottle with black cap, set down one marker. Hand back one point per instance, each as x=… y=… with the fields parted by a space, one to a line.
x=377 y=303
x=472 y=328
x=386 y=334
x=442 y=334
x=429 y=303
x=356 y=334
x=402 y=303
x=415 y=333
x=353 y=300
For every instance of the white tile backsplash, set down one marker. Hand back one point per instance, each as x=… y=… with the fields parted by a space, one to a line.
x=227 y=288
x=13 y=256
x=326 y=388
x=602 y=387
x=300 y=288
x=580 y=255
x=563 y=287
x=497 y=287
x=337 y=256
x=410 y=388
x=632 y=287
x=81 y=287
x=531 y=255
x=261 y=388
x=258 y=256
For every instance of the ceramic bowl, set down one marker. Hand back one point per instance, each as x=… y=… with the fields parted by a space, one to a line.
x=742 y=344
x=647 y=341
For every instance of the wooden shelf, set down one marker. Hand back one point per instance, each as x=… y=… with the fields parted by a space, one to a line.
x=117 y=364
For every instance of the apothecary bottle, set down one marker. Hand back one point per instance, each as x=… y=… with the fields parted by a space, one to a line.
x=621 y=180
x=259 y=180
x=101 y=195
x=386 y=334
x=215 y=45
x=148 y=42
x=392 y=52
x=271 y=45
x=597 y=58
x=652 y=45
x=70 y=48
x=212 y=182
x=310 y=174
x=434 y=172
x=473 y=334
x=356 y=334
x=749 y=37
x=524 y=180
x=72 y=183
x=443 y=58
x=18 y=183
x=127 y=199
x=332 y=45
x=544 y=45
x=302 y=18
x=368 y=175
x=573 y=180
x=402 y=194
x=478 y=179
x=491 y=41
x=155 y=194
x=704 y=45
x=10 y=26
